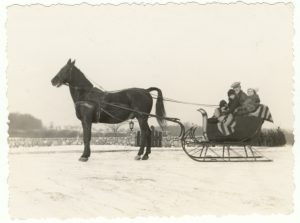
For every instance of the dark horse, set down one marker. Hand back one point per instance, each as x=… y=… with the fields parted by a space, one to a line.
x=94 y=105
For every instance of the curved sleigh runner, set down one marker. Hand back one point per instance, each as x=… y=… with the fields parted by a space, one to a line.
x=231 y=142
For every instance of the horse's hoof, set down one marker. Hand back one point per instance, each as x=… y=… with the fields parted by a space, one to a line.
x=145 y=157
x=83 y=159
x=137 y=157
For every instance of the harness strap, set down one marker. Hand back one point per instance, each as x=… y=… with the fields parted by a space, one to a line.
x=111 y=115
x=89 y=104
x=83 y=103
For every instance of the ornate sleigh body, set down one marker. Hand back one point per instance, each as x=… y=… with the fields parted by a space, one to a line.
x=231 y=143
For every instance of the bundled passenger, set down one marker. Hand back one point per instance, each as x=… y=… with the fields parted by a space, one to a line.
x=220 y=112
x=233 y=101
x=250 y=104
x=252 y=97
x=240 y=94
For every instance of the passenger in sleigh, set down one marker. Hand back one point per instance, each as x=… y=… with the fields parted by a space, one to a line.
x=220 y=112
x=250 y=104
x=233 y=101
x=240 y=94
x=225 y=110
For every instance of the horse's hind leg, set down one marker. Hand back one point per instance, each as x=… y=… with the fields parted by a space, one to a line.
x=148 y=141
x=142 y=145
x=144 y=129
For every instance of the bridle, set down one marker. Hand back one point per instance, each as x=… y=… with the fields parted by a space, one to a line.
x=64 y=82
x=68 y=80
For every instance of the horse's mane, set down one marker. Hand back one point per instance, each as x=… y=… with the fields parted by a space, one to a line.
x=79 y=79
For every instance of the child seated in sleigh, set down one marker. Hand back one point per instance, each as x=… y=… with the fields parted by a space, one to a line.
x=220 y=113
x=225 y=110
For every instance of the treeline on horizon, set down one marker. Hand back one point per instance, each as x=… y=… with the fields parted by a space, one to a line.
x=28 y=126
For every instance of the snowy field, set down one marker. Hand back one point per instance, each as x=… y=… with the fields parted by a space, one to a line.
x=51 y=182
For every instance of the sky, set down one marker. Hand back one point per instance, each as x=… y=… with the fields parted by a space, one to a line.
x=191 y=52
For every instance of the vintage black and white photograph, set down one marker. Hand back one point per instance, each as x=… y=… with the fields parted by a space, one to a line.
x=139 y=110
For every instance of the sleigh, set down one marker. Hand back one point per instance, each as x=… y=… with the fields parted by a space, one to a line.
x=231 y=143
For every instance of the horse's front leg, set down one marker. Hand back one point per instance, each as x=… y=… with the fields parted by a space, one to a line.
x=87 y=126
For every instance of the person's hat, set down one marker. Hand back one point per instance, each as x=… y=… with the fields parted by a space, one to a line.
x=236 y=84
x=231 y=92
x=253 y=89
x=222 y=103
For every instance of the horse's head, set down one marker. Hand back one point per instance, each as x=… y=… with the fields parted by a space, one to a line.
x=64 y=75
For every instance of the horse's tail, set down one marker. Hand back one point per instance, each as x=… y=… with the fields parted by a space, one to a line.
x=160 y=108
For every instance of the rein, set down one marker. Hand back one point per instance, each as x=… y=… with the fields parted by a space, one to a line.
x=184 y=102
x=153 y=96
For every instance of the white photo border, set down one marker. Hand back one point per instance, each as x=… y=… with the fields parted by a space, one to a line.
x=4 y=216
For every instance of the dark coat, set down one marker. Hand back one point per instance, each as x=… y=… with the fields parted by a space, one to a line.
x=242 y=96
x=233 y=104
x=250 y=105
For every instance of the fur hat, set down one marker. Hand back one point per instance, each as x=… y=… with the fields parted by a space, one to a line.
x=222 y=103
x=255 y=90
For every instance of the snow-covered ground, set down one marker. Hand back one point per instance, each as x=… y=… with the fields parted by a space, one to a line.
x=51 y=182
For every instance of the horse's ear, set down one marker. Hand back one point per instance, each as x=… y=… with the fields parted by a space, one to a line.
x=69 y=61
x=73 y=62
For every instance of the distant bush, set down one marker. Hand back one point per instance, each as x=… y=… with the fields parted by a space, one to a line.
x=289 y=136
x=30 y=142
x=28 y=126
x=272 y=137
x=23 y=122
x=174 y=130
x=43 y=133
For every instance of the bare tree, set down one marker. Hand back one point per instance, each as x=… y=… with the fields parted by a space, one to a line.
x=115 y=128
